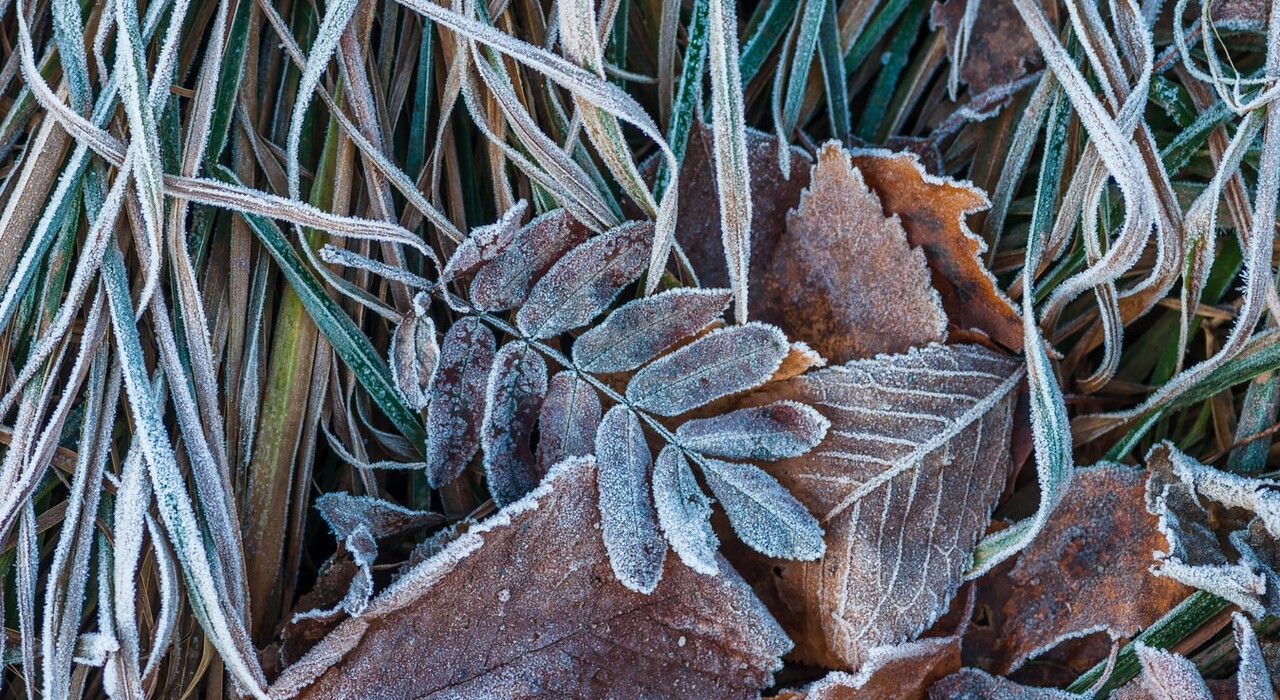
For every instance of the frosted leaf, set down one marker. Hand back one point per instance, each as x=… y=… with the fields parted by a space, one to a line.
x=484 y=244
x=1199 y=507
x=765 y=515
x=582 y=284
x=343 y=513
x=504 y=283
x=637 y=331
x=914 y=461
x=1253 y=680
x=720 y=363
x=565 y=628
x=844 y=278
x=457 y=399
x=517 y=384
x=415 y=353
x=1168 y=676
x=776 y=431
x=568 y=420
x=976 y=684
x=684 y=512
x=627 y=518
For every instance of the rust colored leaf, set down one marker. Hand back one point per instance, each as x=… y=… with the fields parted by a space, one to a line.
x=458 y=399
x=517 y=385
x=627 y=518
x=773 y=195
x=1223 y=529
x=582 y=284
x=904 y=484
x=903 y=672
x=776 y=431
x=525 y=605
x=568 y=420
x=1097 y=546
x=976 y=684
x=684 y=511
x=843 y=277
x=933 y=210
x=722 y=362
x=1000 y=49
x=504 y=283
x=800 y=359
x=639 y=330
x=415 y=353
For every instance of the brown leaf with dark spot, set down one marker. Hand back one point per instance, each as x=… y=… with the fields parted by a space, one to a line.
x=904 y=484
x=933 y=211
x=457 y=399
x=1097 y=547
x=843 y=277
x=1001 y=49
x=525 y=605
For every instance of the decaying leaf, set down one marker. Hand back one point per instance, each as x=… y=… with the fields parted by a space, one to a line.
x=1239 y=15
x=1222 y=529
x=976 y=684
x=415 y=353
x=722 y=362
x=999 y=49
x=903 y=672
x=627 y=518
x=525 y=605
x=933 y=210
x=484 y=244
x=1165 y=676
x=458 y=399
x=843 y=277
x=504 y=283
x=904 y=485
x=639 y=330
x=1097 y=546
x=567 y=421
x=582 y=283
x=517 y=385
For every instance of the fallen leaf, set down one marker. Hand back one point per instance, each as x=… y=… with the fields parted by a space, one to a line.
x=1222 y=529
x=933 y=210
x=517 y=386
x=976 y=684
x=1097 y=547
x=1164 y=676
x=904 y=484
x=843 y=277
x=1000 y=47
x=1239 y=15
x=457 y=399
x=525 y=605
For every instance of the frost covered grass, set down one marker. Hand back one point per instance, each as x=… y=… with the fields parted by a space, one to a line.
x=254 y=253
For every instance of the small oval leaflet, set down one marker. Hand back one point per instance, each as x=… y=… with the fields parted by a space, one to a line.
x=415 y=353
x=586 y=280
x=684 y=512
x=765 y=515
x=457 y=399
x=637 y=331
x=568 y=420
x=627 y=518
x=722 y=362
x=484 y=244
x=775 y=431
x=517 y=385
x=504 y=283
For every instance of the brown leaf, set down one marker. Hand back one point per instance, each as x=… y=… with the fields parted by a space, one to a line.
x=933 y=211
x=773 y=196
x=1097 y=546
x=1001 y=49
x=976 y=684
x=568 y=420
x=457 y=399
x=415 y=353
x=1223 y=529
x=525 y=605
x=1239 y=15
x=843 y=277
x=904 y=484
x=904 y=672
